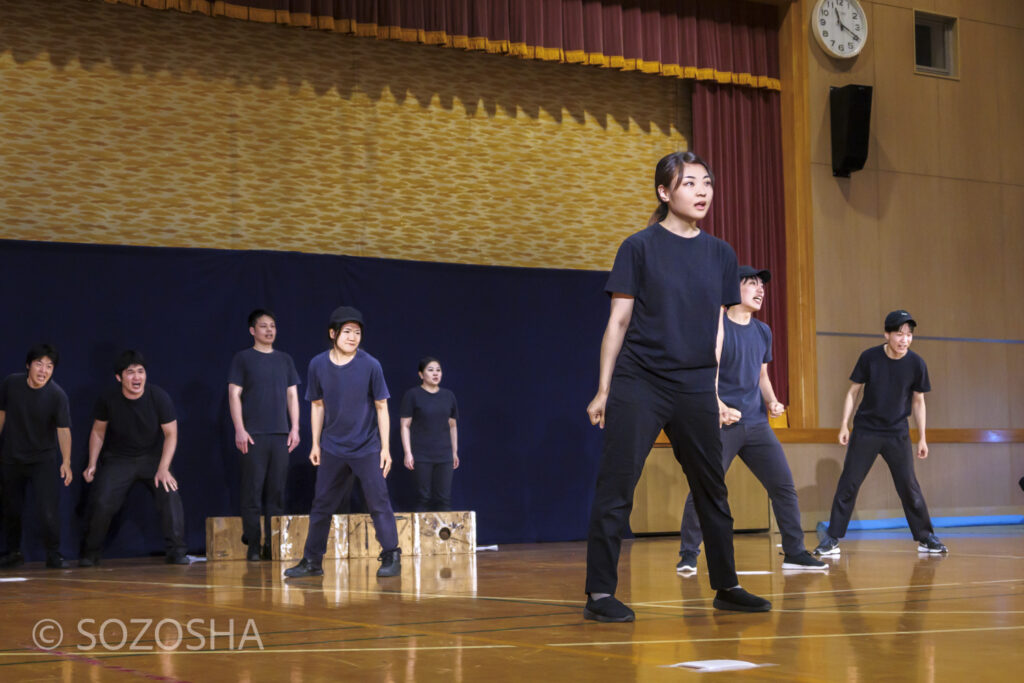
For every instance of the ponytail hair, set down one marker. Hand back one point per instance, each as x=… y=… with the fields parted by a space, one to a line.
x=668 y=173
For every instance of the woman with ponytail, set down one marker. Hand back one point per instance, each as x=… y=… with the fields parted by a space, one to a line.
x=669 y=288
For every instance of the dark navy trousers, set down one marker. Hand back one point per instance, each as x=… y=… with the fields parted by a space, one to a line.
x=758 y=447
x=898 y=454
x=264 y=473
x=638 y=407
x=331 y=478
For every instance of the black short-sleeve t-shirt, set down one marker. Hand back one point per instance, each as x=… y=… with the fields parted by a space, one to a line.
x=889 y=386
x=679 y=285
x=134 y=426
x=745 y=348
x=265 y=379
x=429 y=430
x=32 y=417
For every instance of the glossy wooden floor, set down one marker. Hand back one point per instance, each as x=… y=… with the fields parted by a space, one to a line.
x=883 y=613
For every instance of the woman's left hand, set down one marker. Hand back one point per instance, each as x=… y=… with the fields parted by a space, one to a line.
x=455 y=462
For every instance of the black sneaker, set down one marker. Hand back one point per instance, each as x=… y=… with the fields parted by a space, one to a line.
x=176 y=558
x=56 y=561
x=89 y=560
x=390 y=562
x=265 y=552
x=738 y=600
x=828 y=546
x=687 y=562
x=931 y=544
x=607 y=609
x=252 y=554
x=303 y=569
x=803 y=560
x=12 y=559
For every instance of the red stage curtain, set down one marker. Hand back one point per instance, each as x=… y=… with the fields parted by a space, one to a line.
x=724 y=41
x=737 y=131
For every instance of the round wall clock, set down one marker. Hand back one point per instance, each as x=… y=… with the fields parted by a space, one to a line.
x=840 y=27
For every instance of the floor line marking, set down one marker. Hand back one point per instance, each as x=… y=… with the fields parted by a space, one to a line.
x=792 y=637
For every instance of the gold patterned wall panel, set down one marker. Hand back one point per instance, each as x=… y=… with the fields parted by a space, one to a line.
x=129 y=126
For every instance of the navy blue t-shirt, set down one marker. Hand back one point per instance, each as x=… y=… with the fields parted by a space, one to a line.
x=264 y=378
x=348 y=392
x=744 y=349
x=889 y=386
x=32 y=417
x=429 y=430
x=679 y=285
x=134 y=426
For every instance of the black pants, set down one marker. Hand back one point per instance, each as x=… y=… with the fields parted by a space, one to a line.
x=46 y=488
x=114 y=477
x=433 y=486
x=898 y=453
x=638 y=408
x=759 y=448
x=264 y=472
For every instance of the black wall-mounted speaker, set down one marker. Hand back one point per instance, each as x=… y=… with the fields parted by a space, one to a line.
x=851 y=119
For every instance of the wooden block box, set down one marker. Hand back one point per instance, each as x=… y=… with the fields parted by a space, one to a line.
x=290 y=533
x=446 y=533
x=363 y=539
x=224 y=538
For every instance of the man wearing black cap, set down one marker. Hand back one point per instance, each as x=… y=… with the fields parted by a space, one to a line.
x=351 y=428
x=894 y=380
x=743 y=385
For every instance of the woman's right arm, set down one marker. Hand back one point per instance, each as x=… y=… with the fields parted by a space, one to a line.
x=405 y=424
x=618 y=321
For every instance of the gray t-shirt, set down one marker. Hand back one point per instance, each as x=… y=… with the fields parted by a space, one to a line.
x=264 y=378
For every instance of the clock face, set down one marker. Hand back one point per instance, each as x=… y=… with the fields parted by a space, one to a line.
x=840 y=27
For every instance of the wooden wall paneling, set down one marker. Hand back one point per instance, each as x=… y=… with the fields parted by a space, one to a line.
x=1015 y=375
x=1011 y=225
x=916 y=248
x=662 y=489
x=847 y=272
x=798 y=199
x=968 y=105
x=837 y=357
x=957 y=480
x=826 y=71
x=1009 y=91
x=904 y=104
x=976 y=386
x=1004 y=12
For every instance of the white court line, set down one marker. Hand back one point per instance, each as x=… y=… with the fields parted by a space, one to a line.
x=321 y=588
x=955 y=584
x=254 y=651
x=793 y=637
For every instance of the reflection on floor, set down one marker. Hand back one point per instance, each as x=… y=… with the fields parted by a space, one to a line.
x=882 y=612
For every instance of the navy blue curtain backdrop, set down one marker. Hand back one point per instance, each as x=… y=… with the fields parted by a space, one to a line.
x=519 y=348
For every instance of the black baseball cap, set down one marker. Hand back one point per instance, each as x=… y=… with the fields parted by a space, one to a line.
x=897 y=319
x=346 y=314
x=750 y=271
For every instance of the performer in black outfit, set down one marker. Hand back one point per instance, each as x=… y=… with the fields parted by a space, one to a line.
x=34 y=410
x=894 y=380
x=136 y=431
x=669 y=288
x=263 y=396
x=430 y=437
